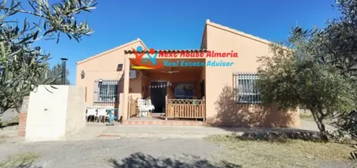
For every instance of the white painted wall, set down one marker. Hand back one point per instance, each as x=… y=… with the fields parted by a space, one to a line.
x=76 y=117
x=53 y=113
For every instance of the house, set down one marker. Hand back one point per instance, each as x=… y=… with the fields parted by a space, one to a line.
x=214 y=84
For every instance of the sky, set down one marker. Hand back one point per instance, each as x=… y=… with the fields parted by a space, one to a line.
x=179 y=24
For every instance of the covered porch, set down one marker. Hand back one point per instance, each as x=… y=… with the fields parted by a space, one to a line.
x=177 y=93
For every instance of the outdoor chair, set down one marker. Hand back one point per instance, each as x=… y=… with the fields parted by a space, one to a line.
x=150 y=106
x=143 y=108
x=91 y=114
x=102 y=114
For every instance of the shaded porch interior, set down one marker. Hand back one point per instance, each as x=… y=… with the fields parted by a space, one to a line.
x=176 y=92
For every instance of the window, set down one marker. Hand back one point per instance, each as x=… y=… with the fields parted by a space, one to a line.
x=245 y=88
x=107 y=90
x=83 y=74
x=120 y=67
x=184 y=91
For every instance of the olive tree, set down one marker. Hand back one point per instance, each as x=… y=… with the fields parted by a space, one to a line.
x=318 y=71
x=22 y=63
x=291 y=82
x=337 y=43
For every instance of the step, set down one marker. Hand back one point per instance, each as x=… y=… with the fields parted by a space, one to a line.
x=163 y=122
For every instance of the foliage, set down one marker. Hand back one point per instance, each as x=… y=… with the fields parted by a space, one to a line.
x=22 y=63
x=347 y=124
x=337 y=43
x=278 y=78
x=318 y=72
x=291 y=82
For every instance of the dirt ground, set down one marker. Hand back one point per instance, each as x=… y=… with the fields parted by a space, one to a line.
x=160 y=146
x=104 y=153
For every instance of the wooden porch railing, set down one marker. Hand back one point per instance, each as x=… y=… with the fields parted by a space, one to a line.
x=133 y=110
x=185 y=108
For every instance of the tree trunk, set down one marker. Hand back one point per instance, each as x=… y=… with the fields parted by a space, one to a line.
x=318 y=117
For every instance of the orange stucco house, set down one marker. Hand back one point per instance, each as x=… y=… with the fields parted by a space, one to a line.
x=216 y=90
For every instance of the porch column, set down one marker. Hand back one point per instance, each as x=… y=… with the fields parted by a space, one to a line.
x=126 y=87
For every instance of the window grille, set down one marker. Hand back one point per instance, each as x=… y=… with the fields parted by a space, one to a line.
x=106 y=91
x=245 y=88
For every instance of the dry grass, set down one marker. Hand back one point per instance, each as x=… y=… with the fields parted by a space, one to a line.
x=293 y=153
x=3 y=138
x=20 y=161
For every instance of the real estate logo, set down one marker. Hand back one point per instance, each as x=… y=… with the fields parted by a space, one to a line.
x=148 y=59
x=149 y=62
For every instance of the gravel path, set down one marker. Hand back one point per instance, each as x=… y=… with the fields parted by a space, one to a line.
x=97 y=130
x=97 y=153
x=119 y=146
x=141 y=146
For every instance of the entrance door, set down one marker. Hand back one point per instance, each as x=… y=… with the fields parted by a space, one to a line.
x=157 y=94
